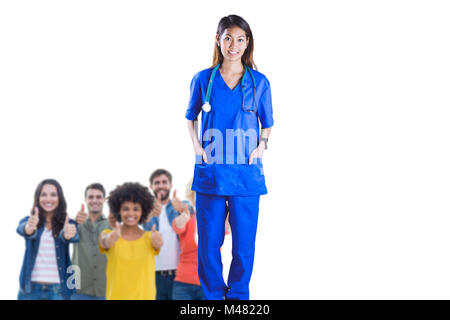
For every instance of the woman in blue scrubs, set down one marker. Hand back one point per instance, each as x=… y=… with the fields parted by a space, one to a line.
x=235 y=101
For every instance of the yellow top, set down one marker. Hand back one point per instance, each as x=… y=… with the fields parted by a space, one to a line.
x=130 y=269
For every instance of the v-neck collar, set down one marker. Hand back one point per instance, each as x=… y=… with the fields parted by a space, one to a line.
x=226 y=85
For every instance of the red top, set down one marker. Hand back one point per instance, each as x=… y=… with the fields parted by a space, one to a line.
x=187 y=270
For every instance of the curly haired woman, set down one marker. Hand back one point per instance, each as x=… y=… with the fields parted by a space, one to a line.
x=131 y=251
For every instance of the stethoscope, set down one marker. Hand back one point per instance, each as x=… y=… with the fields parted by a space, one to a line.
x=207 y=107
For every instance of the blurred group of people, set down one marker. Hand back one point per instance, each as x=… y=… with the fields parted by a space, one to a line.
x=146 y=248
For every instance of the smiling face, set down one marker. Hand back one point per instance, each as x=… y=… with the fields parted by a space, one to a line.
x=94 y=200
x=130 y=213
x=232 y=42
x=161 y=185
x=48 y=199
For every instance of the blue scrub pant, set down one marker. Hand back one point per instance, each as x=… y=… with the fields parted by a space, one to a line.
x=243 y=217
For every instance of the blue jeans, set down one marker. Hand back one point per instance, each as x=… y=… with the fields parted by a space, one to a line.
x=164 y=286
x=79 y=296
x=42 y=292
x=187 y=291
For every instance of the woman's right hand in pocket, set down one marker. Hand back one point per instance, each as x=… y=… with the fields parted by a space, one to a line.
x=201 y=152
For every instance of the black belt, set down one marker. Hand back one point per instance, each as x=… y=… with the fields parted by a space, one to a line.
x=166 y=273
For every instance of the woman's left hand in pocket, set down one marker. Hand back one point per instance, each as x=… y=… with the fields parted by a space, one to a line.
x=257 y=153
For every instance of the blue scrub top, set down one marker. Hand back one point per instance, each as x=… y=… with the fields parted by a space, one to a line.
x=229 y=134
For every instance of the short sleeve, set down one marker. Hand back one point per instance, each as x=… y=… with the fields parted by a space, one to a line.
x=100 y=248
x=195 y=100
x=265 y=113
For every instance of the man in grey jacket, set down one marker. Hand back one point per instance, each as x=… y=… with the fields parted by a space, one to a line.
x=86 y=254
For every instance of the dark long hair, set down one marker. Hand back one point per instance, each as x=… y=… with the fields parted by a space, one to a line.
x=228 y=22
x=59 y=216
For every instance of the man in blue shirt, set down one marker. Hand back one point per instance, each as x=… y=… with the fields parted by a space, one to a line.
x=164 y=212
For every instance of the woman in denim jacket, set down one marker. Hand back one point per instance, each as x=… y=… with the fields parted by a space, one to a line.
x=46 y=269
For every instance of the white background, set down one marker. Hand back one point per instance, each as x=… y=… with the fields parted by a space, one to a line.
x=358 y=162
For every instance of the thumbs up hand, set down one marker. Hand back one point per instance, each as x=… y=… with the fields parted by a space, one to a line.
x=33 y=222
x=107 y=240
x=176 y=202
x=111 y=220
x=70 y=230
x=81 y=216
x=157 y=207
x=183 y=218
x=185 y=212
x=156 y=238
x=114 y=235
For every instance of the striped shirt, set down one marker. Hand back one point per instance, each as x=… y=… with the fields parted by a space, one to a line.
x=46 y=268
